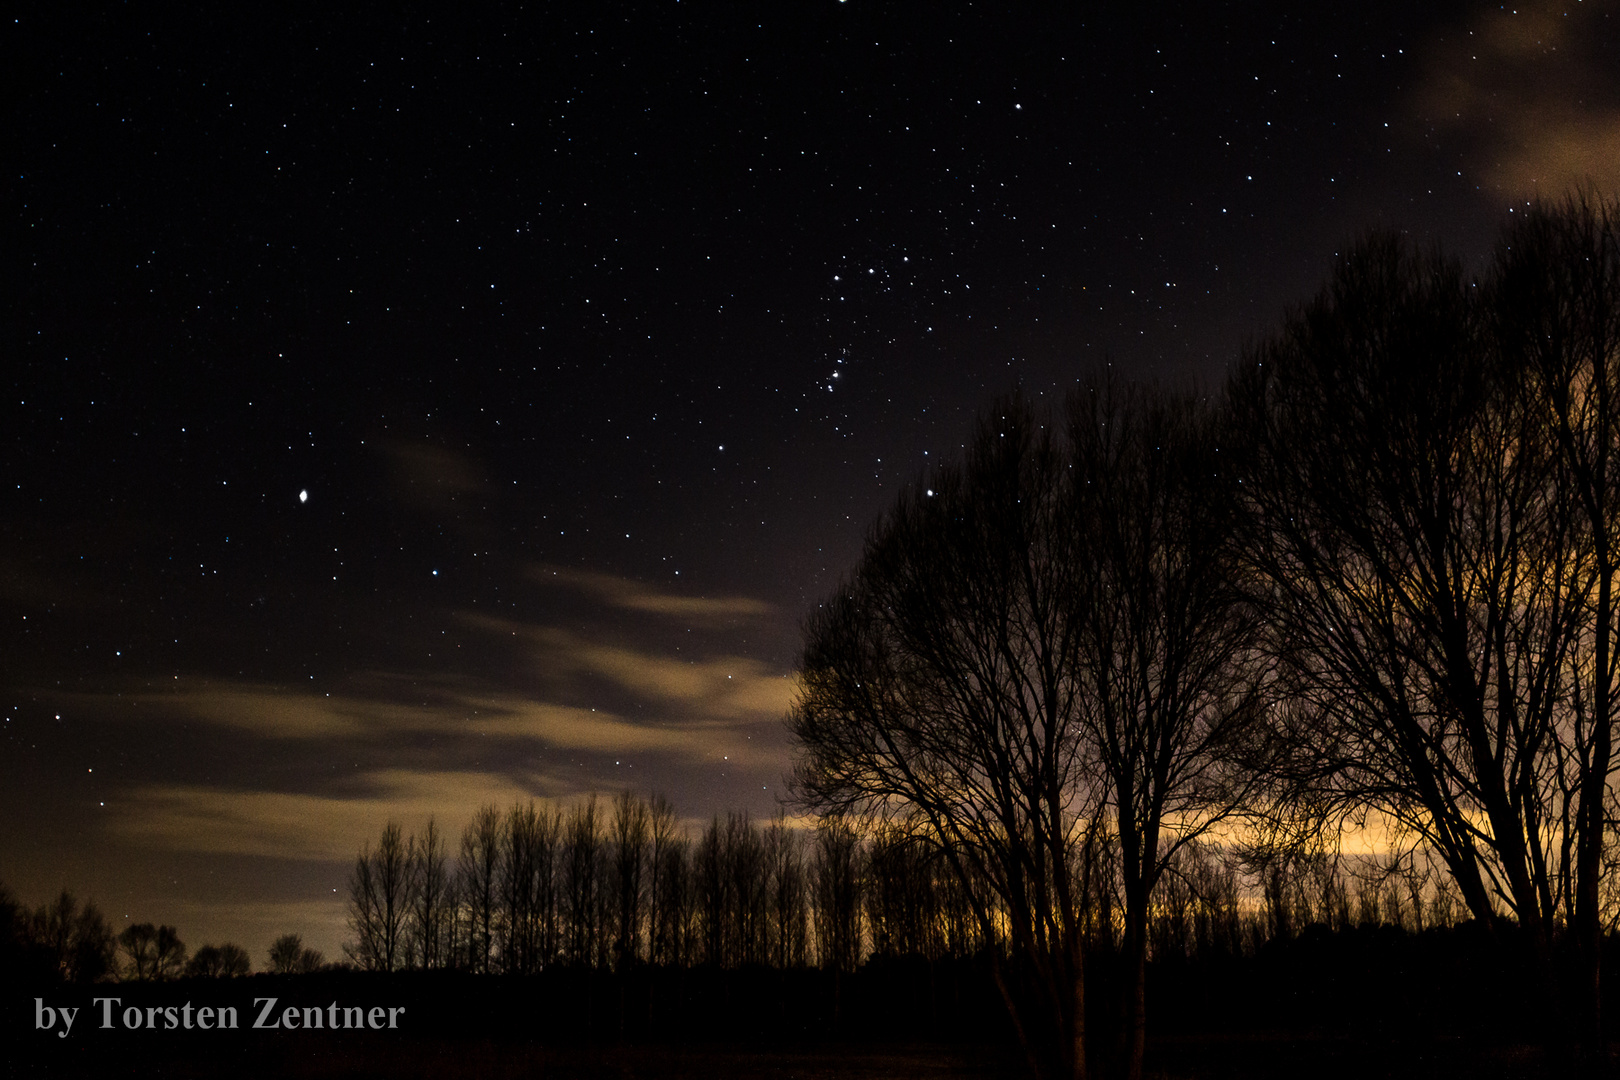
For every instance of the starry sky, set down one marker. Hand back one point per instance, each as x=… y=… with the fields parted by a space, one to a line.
x=409 y=408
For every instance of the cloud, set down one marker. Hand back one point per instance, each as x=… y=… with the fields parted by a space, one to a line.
x=1531 y=92
x=634 y=596
x=731 y=687
x=289 y=825
x=724 y=709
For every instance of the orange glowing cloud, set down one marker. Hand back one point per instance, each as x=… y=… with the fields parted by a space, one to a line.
x=1532 y=95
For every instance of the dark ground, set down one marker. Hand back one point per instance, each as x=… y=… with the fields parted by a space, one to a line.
x=1366 y=1003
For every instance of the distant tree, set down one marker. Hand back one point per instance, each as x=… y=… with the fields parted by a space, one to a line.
x=548 y=885
x=170 y=953
x=519 y=873
x=673 y=942
x=662 y=864
x=285 y=953
x=902 y=902
x=288 y=956
x=380 y=902
x=744 y=890
x=139 y=944
x=709 y=888
x=226 y=961
x=479 y=875
x=629 y=833
x=836 y=873
x=432 y=898
x=76 y=941
x=788 y=931
x=583 y=859
x=152 y=952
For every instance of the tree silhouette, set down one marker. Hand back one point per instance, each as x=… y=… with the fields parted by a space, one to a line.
x=432 y=899
x=938 y=691
x=77 y=942
x=1166 y=649
x=582 y=856
x=152 y=952
x=225 y=961
x=1555 y=314
x=478 y=874
x=284 y=953
x=630 y=833
x=380 y=902
x=1428 y=503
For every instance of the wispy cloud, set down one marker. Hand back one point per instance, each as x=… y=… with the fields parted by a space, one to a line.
x=1531 y=91
x=634 y=596
x=731 y=687
x=289 y=825
x=722 y=701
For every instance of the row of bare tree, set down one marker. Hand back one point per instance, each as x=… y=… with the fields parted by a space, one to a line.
x=543 y=886
x=1369 y=588
x=539 y=886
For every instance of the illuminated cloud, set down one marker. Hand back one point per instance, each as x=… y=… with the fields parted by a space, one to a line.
x=1531 y=92
x=732 y=687
x=288 y=825
x=634 y=596
x=720 y=702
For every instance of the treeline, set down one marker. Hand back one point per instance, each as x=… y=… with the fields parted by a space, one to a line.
x=541 y=886
x=66 y=941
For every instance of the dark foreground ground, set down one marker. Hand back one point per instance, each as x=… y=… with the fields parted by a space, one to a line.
x=339 y=1055
x=1358 y=1004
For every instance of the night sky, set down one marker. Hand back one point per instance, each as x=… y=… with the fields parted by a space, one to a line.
x=413 y=408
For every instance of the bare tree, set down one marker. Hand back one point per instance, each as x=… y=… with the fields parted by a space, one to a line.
x=660 y=868
x=519 y=869
x=432 y=899
x=630 y=835
x=902 y=902
x=380 y=902
x=938 y=690
x=225 y=961
x=139 y=943
x=836 y=872
x=153 y=952
x=1426 y=495
x=709 y=887
x=787 y=935
x=745 y=872
x=1165 y=646
x=478 y=874
x=675 y=918
x=288 y=956
x=1555 y=312
x=583 y=855
x=78 y=941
